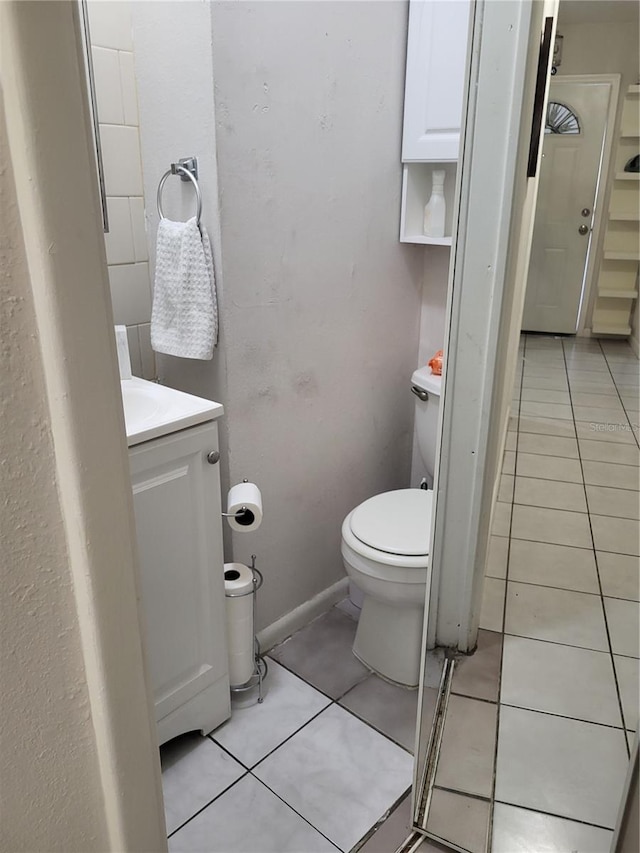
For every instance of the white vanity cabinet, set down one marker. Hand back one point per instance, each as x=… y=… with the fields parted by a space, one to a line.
x=434 y=92
x=176 y=495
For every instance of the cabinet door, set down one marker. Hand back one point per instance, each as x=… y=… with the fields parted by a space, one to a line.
x=436 y=59
x=176 y=495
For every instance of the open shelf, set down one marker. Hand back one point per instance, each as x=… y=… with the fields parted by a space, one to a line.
x=627 y=176
x=618 y=294
x=416 y=191
x=622 y=256
x=624 y=216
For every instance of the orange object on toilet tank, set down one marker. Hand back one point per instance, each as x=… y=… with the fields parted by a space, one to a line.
x=436 y=363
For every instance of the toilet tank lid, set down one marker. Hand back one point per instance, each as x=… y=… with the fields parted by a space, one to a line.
x=397 y=522
x=425 y=379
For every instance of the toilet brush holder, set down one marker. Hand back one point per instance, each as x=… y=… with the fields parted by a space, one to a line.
x=252 y=690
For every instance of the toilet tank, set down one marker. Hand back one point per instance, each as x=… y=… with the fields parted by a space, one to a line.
x=425 y=384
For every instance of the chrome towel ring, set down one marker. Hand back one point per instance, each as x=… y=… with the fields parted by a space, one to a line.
x=187 y=169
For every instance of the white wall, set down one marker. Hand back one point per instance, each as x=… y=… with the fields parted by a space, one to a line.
x=320 y=304
x=126 y=240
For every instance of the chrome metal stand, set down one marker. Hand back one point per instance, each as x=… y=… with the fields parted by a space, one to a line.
x=261 y=667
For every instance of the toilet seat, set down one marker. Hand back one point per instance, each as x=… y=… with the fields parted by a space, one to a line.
x=397 y=522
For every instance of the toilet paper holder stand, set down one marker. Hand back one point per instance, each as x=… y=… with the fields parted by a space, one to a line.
x=261 y=667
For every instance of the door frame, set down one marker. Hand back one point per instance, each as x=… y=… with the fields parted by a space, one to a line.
x=603 y=191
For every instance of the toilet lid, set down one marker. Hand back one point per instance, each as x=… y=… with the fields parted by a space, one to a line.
x=396 y=522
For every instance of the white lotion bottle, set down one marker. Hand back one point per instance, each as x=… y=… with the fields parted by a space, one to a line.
x=435 y=208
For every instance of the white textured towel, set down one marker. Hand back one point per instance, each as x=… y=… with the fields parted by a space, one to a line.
x=184 y=318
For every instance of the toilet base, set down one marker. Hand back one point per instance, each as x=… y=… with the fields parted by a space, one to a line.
x=389 y=640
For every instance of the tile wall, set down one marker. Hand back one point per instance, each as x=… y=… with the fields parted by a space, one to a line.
x=126 y=242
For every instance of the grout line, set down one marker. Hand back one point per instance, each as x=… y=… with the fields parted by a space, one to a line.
x=244 y=775
x=604 y=609
x=569 y=645
x=554 y=814
x=563 y=716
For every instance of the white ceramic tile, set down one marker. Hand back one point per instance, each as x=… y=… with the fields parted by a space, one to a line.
x=128 y=87
x=555 y=615
x=567 y=767
x=497 y=555
x=602 y=433
x=602 y=401
x=548 y=445
x=546 y=395
x=354 y=775
x=557 y=382
x=253 y=732
x=549 y=468
x=561 y=680
x=509 y=462
x=463 y=821
x=546 y=410
x=620 y=503
x=593 y=377
x=607 y=451
x=618 y=535
x=147 y=355
x=121 y=158
x=551 y=525
x=466 y=756
x=106 y=70
x=550 y=493
x=624 y=626
x=512 y=441
x=616 y=476
x=110 y=24
x=118 y=240
x=553 y=565
x=134 y=350
x=522 y=831
x=247 y=818
x=194 y=771
x=619 y=575
x=139 y=229
x=593 y=414
x=130 y=294
x=546 y=426
x=505 y=489
x=501 y=520
x=492 y=606
x=627 y=673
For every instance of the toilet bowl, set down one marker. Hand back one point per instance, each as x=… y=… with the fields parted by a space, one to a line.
x=385 y=550
x=385 y=544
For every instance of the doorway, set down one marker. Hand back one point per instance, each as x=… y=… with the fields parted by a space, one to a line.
x=573 y=174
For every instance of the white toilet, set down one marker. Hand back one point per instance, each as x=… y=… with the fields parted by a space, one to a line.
x=385 y=549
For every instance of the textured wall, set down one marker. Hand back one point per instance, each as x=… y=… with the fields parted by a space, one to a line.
x=51 y=793
x=320 y=304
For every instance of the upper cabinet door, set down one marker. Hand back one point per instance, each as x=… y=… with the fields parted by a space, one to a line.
x=436 y=60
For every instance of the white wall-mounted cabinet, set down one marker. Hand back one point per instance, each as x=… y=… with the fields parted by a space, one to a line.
x=434 y=88
x=176 y=496
x=436 y=58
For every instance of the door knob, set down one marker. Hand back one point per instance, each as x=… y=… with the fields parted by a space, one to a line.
x=585 y=211
x=583 y=229
x=212 y=457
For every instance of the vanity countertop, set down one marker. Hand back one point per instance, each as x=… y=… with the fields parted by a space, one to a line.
x=152 y=410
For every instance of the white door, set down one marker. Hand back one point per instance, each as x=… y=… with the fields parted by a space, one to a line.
x=571 y=156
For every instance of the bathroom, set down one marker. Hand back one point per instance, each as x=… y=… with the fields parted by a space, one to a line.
x=321 y=324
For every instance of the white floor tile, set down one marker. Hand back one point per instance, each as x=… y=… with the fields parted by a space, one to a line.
x=497 y=556
x=596 y=432
x=551 y=525
x=523 y=831
x=501 y=521
x=549 y=468
x=339 y=774
x=509 y=462
x=465 y=761
x=565 y=767
x=619 y=503
x=560 y=680
x=505 y=489
x=624 y=626
x=194 y=771
x=546 y=426
x=619 y=575
x=546 y=410
x=548 y=445
x=608 y=451
x=546 y=395
x=492 y=607
x=615 y=476
x=602 y=401
x=247 y=818
x=618 y=535
x=553 y=565
x=627 y=672
x=555 y=615
x=551 y=494
x=557 y=382
x=253 y=732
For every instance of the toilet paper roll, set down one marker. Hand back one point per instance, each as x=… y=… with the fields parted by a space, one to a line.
x=238 y=579
x=245 y=495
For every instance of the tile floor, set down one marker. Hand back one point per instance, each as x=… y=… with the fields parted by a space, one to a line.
x=541 y=732
x=316 y=767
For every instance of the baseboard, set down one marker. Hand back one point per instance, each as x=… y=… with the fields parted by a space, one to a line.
x=302 y=615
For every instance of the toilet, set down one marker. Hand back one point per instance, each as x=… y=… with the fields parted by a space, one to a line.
x=385 y=550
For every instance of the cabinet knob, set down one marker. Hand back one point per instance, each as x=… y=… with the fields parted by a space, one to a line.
x=213 y=456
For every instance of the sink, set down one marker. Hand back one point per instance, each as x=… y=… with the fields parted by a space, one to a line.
x=152 y=410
